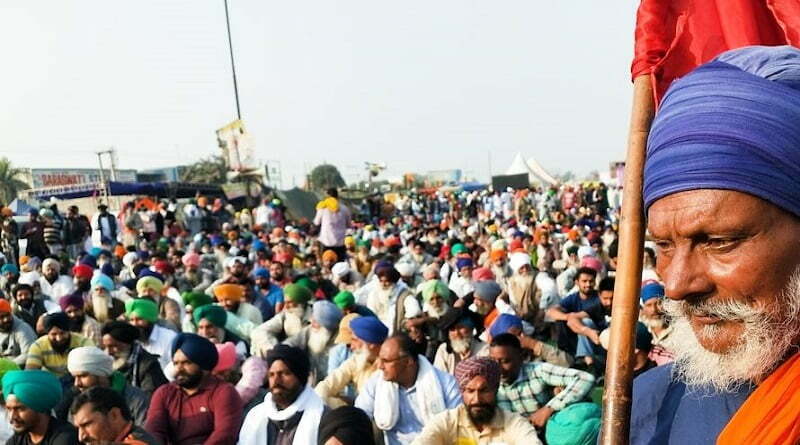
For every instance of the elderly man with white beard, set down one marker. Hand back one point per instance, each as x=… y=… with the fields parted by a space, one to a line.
x=318 y=338
x=391 y=301
x=459 y=325
x=284 y=324
x=525 y=297
x=722 y=198
x=652 y=316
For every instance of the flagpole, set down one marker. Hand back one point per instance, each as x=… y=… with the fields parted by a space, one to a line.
x=619 y=368
x=233 y=65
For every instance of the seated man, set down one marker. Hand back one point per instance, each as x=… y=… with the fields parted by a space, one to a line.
x=291 y=412
x=317 y=339
x=93 y=368
x=407 y=392
x=140 y=368
x=479 y=419
x=533 y=349
x=575 y=302
x=653 y=317
x=285 y=323
x=26 y=307
x=527 y=388
x=102 y=416
x=368 y=336
x=50 y=352
x=461 y=343
x=16 y=337
x=197 y=407
x=231 y=297
x=210 y=323
x=29 y=398
x=590 y=322
x=79 y=322
x=157 y=340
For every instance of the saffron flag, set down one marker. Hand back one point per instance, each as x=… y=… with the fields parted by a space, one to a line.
x=675 y=36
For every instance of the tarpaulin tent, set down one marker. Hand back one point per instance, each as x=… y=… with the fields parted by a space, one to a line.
x=20 y=207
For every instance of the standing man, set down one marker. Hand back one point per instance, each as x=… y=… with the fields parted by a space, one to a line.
x=291 y=412
x=104 y=227
x=197 y=407
x=33 y=231
x=29 y=398
x=333 y=220
x=479 y=420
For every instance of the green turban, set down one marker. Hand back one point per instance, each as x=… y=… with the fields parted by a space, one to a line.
x=211 y=312
x=149 y=283
x=434 y=287
x=38 y=390
x=297 y=293
x=344 y=299
x=308 y=283
x=364 y=243
x=458 y=248
x=143 y=308
x=577 y=424
x=196 y=299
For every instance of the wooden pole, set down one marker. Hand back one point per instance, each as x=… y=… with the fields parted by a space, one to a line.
x=625 y=311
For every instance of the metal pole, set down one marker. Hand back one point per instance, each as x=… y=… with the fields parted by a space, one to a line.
x=233 y=65
x=103 y=183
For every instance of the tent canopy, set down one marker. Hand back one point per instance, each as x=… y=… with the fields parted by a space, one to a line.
x=535 y=172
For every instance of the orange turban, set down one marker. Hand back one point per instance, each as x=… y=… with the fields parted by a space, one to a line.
x=497 y=255
x=233 y=292
x=329 y=256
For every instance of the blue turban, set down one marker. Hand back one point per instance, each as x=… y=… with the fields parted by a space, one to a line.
x=102 y=280
x=258 y=245
x=148 y=272
x=197 y=349
x=650 y=291
x=89 y=260
x=463 y=262
x=95 y=251
x=731 y=124
x=369 y=329
x=327 y=314
x=503 y=323
x=487 y=291
x=9 y=268
x=38 y=390
x=260 y=272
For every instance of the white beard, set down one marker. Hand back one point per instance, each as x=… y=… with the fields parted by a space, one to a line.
x=435 y=312
x=657 y=322
x=100 y=307
x=361 y=358
x=378 y=301
x=318 y=339
x=767 y=336
x=461 y=345
x=293 y=322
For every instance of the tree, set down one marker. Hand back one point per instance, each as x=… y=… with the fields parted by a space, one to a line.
x=211 y=170
x=325 y=176
x=10 y=182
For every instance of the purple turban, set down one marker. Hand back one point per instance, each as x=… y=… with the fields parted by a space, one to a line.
x=731 y=124
x=478 y=366
x=73 y=299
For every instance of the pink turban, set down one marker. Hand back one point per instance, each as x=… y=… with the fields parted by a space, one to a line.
x=478 y=366
x=191 y=259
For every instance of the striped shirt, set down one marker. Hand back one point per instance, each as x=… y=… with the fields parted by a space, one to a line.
x=41 y=354
x=534 y=385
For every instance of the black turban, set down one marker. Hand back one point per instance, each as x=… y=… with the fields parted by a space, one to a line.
x=121 y=331
x=347 y=424
x=295 y=359
x=197 y=349
x=56 y=320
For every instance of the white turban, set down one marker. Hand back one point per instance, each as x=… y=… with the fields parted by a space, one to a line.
x=585 y=251
x=29 y=278
x=405 y=269
x=340 y=269
x=130 y=258
x=91 y=360
x=50 y=262
x=517 y=260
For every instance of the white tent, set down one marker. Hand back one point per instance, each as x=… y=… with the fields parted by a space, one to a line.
x=532 y=168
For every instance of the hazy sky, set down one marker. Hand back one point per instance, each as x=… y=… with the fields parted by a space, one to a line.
x=419 y=85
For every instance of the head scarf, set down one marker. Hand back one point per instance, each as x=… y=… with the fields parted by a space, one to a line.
x=294 y=358
x=297 y=293
x=348 y=425
x=196 y=299
x=74 y=299
x=345 y=335
x=91 y=360
x=487 y=291
x=472 y=367
x=82 y=271
x=149 y=283
x=121 y=331
x=199 y=350
x=504 y=323
x=104 y=281
x=226 y=291
x=517 y=260
x=327 y=314
x=211 y=312
x=344 y=299
x=730 y=124
x=369 y=329
x=38 y=390
x=56 y=320
x=434 y=287
x=142 y=308
x=650 y=291
x=227 y=356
